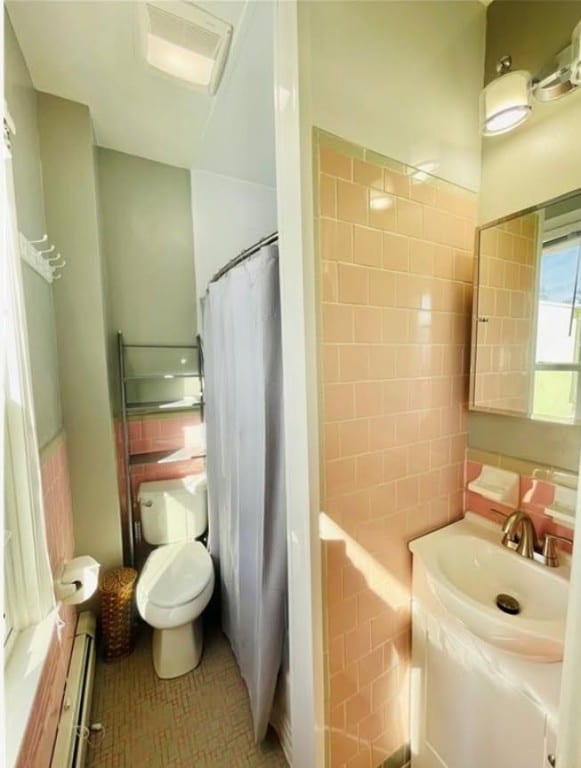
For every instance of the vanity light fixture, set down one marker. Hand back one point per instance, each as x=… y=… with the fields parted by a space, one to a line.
x=563 y=74
x=185 y=42
x=576 y=55
x=555 y=81
x=505 y=102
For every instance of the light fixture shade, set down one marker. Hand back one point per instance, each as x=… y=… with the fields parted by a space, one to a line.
x=576 y=55
x=185 y=42
x=505 y=103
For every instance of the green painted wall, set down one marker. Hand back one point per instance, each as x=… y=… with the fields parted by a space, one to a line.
x=38 y=294
x=148 y=255
x=147 y=238
x=70 y=191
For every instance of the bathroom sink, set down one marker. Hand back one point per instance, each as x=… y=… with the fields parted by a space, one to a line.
x=468 y=569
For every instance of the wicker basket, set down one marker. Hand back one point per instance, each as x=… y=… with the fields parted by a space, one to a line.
x=116 y=591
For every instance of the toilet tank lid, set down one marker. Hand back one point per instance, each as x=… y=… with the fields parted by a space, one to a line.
x=190 y=483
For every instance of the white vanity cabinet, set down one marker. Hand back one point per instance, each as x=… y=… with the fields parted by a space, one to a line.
x=474 y=706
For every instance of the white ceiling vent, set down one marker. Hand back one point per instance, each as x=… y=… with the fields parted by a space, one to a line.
x=186 y=42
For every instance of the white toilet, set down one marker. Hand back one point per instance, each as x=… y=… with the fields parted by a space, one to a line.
x=177 y=580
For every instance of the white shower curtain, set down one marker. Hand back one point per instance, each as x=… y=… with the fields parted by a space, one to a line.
x=245 y=467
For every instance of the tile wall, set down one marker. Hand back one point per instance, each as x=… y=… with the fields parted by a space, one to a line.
x=505 y=314
x=40 y=734
x=537 y=489
x=149 y=434
x=395 y=263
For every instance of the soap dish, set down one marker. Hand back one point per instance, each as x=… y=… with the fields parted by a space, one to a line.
x=499 y=485
x=563 y=507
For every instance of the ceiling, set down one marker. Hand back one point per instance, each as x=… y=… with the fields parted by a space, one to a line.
x=90 y=52
x=239 y=139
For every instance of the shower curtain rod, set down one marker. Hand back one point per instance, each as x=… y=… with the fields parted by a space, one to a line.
x=244 y=255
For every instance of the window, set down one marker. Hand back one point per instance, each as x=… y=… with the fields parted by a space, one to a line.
x=28 y=598
x=9 y=613
x=8 y=628
x=557 y=374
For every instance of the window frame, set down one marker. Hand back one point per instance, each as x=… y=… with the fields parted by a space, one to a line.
x=33 y=612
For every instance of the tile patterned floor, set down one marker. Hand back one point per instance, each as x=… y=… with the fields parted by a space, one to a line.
x=200 y=720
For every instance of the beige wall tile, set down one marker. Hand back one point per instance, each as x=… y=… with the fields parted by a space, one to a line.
x=396 y=252
x=351 y=202
x=395 y=329
x=336 y=164
x=335 y=240
x=382 y=210
x=337 y=323
x=422 y=257
x=409 y=218
x=424 y=192
x=367 y=174
x=327 y=196
x=396 y=183
x=366 y=246
x=382 y=285
x=367 y=325
x=353 y=284
x=339 y=402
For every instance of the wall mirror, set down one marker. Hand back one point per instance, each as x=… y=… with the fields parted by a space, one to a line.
x=526 y=340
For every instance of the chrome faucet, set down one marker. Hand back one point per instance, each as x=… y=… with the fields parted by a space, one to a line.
x=519 y=535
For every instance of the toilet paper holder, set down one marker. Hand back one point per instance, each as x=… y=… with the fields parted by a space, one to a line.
x=76 y=580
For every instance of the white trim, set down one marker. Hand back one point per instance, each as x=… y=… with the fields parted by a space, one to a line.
x=25 y=516
x=559 y=226
x=30 y=579
x=297 y=276
x=569 y=739
x=535 y=308
x=21 y=680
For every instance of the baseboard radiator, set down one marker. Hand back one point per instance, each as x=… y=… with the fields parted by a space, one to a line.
x=73 y=729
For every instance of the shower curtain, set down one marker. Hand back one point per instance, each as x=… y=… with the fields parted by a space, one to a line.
x=245 y=469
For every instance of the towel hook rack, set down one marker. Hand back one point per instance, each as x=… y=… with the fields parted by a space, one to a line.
x=39 y=259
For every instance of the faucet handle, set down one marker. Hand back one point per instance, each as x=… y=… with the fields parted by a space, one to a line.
x=549 y=553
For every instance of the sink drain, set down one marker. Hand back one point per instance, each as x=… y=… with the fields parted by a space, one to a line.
x=508 y=604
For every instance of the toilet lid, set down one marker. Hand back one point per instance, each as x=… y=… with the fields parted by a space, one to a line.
x=176 y=573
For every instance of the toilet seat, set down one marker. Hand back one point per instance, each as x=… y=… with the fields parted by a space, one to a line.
x=176 y=574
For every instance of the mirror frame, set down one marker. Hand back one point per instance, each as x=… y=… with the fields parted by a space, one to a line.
x=472 y=407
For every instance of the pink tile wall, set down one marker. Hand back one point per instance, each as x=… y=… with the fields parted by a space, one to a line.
x=506 y=285
x=151 y=434
x=534 y=496
x=395 y=263
x=148 y=435
x=57 y=502
x=40 y=734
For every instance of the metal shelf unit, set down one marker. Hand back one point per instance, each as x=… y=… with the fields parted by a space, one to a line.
x=164 y=406
x=164 y=457
x=130 y=377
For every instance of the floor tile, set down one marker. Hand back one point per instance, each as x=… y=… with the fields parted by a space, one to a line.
x=199 y=720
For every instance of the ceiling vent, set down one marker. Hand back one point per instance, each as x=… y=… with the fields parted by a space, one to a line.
x=187 y=43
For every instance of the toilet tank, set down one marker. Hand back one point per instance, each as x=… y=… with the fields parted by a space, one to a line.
x=173 y=510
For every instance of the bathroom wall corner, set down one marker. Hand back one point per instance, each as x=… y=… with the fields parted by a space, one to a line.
x=70 y=193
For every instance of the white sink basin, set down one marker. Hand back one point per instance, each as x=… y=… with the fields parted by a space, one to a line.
x=467 y=568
